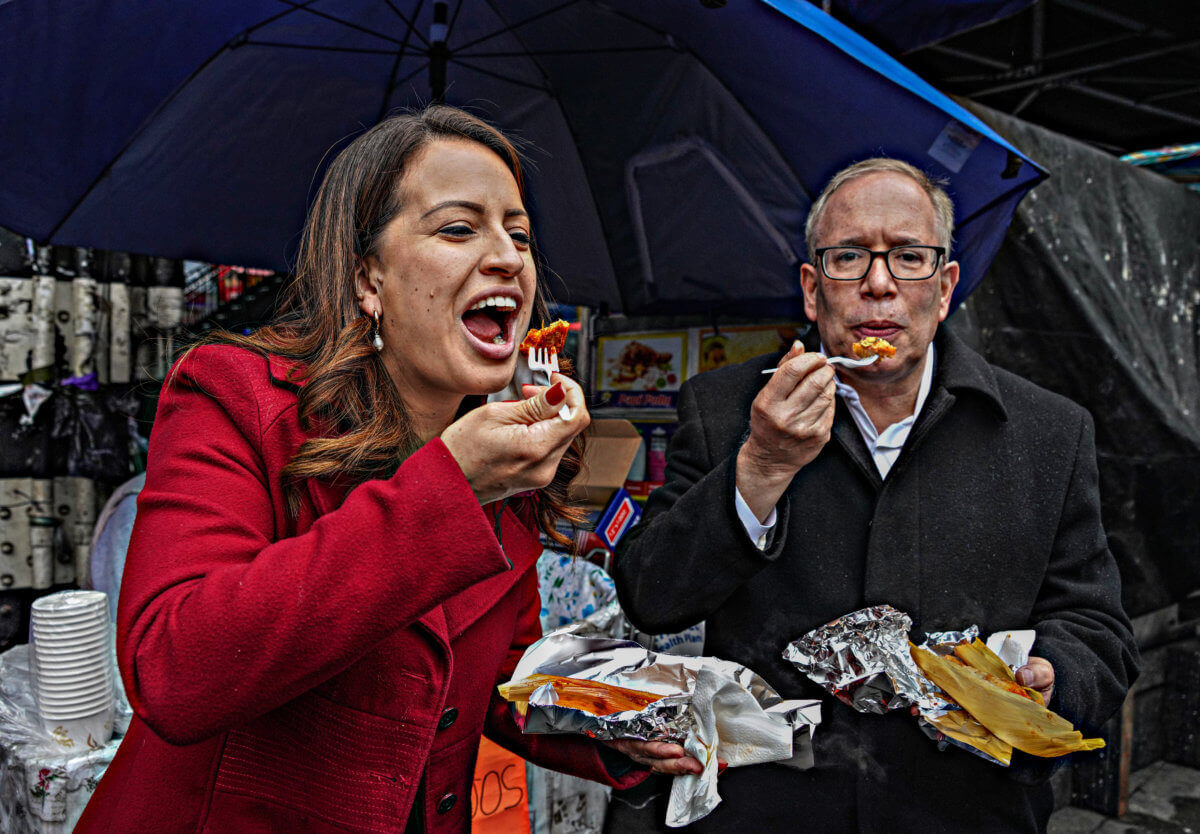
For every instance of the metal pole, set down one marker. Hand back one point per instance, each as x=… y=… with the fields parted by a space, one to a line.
x=439 y=53
x=1078 y=71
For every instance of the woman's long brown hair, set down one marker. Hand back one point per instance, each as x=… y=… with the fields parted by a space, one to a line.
x=364 y=430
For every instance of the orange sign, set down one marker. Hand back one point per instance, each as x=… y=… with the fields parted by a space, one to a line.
x=499 y=795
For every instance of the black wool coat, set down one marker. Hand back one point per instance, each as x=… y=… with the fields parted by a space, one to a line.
x=990 y=516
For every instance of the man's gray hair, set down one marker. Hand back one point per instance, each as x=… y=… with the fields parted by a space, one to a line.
x=943 y=206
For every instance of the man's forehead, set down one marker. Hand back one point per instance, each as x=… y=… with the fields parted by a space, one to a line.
x=882 y=199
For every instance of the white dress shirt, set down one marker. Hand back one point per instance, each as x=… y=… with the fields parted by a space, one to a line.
x=884 y=446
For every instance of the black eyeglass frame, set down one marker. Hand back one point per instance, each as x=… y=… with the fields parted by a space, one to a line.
x=940 y=251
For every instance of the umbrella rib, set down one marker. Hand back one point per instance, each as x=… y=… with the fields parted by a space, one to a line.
x=321 y=48
x=232 y=43
x=513 y=26
x=602 y=50
x=411 y=24
x=396 y=84
x=391 y=82
x=574 y=136
x=679 y=47
x=133 y=137
x=246 y=32
x=503 y=77
x=340 y=21
x=453 y=20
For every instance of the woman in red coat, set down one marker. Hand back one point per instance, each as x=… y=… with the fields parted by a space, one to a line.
x=333 y=560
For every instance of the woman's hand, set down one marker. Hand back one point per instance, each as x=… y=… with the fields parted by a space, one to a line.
x=659 y=756
x=506 y=448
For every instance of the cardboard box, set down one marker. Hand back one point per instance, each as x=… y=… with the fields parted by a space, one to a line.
x=611 y=447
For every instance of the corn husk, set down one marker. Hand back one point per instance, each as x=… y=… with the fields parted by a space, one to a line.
x=593 y=697
x=1025 y=724
x=979 y=657
x=962 y=727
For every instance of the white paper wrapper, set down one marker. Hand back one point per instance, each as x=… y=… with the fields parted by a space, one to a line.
x=715 y=708
x=732 y=727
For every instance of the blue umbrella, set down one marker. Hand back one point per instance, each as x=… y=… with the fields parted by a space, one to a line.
x=675 y=148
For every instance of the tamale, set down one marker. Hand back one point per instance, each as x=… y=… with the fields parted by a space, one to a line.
x=961 y=726
x=1024 y=724
x=977 y=655
x=593 y=697
x=982 y=659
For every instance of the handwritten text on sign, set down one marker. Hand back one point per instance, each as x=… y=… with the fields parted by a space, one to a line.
x=499 y=795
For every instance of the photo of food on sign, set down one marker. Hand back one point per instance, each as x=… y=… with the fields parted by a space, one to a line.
x=733 y=345
x=642 y=362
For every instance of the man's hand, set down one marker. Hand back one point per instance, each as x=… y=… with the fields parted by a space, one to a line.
x=790 y=422
x=660 y=756
x=1038 y=674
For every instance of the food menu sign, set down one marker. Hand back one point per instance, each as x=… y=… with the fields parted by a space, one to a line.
x=641 y=370
x=733 y=345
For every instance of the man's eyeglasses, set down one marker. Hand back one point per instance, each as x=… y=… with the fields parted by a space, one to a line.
x=905 y=263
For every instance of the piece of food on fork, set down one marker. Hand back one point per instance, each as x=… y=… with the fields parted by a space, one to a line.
x=552 y=337
x=873 y=346
x=542 y=347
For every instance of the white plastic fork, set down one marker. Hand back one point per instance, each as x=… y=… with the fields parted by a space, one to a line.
x=841 y=360
x=546 y=361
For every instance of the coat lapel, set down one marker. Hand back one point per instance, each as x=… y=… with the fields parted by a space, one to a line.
x=522 y=547
x=846 y=432
x=893 y=568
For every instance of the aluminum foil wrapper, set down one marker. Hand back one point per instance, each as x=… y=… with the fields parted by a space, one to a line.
x=943 y=643
x=862 y=659
x=577 y=651
x=716 y=709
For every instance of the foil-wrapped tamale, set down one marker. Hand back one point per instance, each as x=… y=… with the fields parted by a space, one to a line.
x=965 y=694
x=569 y=682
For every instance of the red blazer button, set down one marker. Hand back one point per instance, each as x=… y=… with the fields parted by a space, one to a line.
x=446 y=803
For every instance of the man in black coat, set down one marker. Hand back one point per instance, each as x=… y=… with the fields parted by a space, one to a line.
x=931 y=481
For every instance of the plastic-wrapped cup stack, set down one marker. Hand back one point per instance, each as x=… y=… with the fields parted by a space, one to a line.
x=71 y=648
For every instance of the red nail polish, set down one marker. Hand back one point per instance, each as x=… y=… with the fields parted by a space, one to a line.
x=556 y=394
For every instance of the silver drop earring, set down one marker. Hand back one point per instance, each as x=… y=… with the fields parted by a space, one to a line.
x=377 y=340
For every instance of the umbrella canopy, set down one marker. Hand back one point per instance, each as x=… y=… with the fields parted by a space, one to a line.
x=675 y=148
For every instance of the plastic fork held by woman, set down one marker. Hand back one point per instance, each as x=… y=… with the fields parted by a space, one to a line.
x=841 y=360
x=546 y=361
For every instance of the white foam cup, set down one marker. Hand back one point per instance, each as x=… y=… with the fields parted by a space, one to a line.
x=67 y=630
x=64 y=703
x=69 y=602
x=82 y=732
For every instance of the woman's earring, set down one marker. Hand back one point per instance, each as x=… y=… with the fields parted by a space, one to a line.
x=377 y=340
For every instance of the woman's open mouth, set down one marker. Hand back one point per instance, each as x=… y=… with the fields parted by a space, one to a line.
x=489 y=324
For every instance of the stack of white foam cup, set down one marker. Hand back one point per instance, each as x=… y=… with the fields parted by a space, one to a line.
x=70 y=639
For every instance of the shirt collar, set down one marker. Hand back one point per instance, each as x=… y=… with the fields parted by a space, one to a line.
x=853 y=401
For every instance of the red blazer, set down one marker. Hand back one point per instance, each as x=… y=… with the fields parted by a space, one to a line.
x=307 y=674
